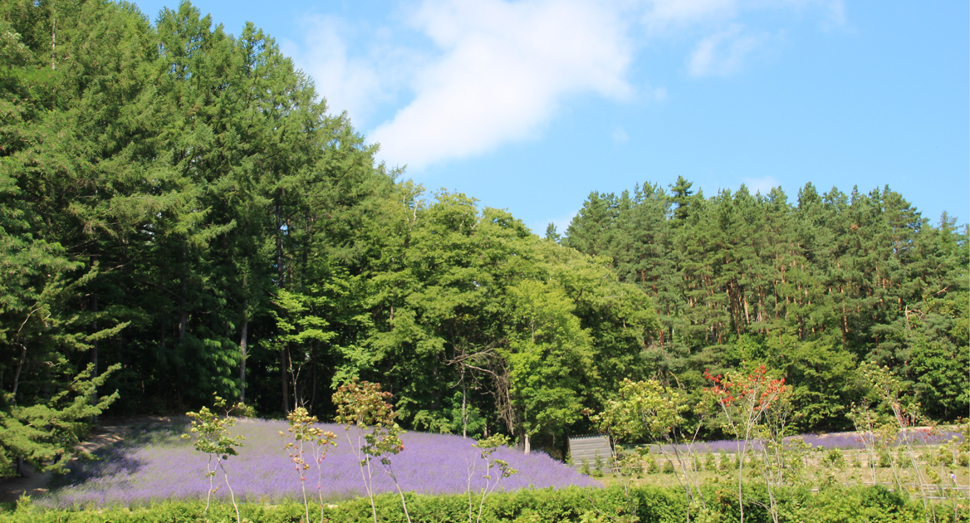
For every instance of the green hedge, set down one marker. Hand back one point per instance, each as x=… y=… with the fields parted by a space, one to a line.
x=646 y=504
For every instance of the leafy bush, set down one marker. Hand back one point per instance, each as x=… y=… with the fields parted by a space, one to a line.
x=646 y=504
x=885 y=459
x=963 y=459
x=835 y=458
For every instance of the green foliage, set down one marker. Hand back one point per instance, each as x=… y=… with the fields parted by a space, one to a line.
x=305 y=434
x=809 y=289
x=44 y=435
x=488 y=447
x=835 y=458
x=660 y=505
x=643 y=410
x=885 y=459
x=210 y=435
x=362 y=405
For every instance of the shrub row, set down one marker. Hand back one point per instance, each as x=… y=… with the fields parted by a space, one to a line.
x=646 y=504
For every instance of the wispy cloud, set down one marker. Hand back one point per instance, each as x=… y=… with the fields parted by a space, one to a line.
x=725 y=52
x=620 y=136
x=664 y=15
x=356 y=79
x=764 y=185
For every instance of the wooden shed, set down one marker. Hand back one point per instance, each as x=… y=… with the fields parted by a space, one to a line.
x=588 y=448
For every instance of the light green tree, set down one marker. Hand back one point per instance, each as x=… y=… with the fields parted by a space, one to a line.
x=549 y=357
x=210 y=435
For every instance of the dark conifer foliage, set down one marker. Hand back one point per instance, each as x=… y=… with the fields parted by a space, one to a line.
x=813 y=288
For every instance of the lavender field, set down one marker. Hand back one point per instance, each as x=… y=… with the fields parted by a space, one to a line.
x=835 y=440
x=157 y=464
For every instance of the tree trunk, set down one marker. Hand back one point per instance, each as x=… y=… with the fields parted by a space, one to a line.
x=94 y=346
x=464 y=406
x=243 y=346
x=183 y=310
x=183 y=328
x=53 y=34
x=294 y=377
x=16 y=375
x=283 y=380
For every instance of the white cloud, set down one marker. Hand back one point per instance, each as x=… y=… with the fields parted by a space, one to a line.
x=764 y=185
x=504 y=70
x=461 y=78
x=357 y=83
x=724 y=52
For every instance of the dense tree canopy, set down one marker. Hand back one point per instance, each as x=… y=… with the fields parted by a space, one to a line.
x=812 y=288
x=176 y=203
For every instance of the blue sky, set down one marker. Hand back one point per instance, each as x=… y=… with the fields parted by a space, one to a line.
x=530 y=105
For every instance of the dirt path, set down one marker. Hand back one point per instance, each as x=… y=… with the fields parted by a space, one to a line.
x=109 y=432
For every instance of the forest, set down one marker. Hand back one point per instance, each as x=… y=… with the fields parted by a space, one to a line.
x=182 y=216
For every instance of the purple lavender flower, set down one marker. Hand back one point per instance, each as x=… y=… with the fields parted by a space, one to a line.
x=835 y=440
x=167 y=468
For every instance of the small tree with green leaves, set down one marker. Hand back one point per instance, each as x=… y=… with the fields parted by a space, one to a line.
x=649 y=410
x=210 y=435
x=363 y=405
x=488 y=447
x=892 y=397
x=304 y=434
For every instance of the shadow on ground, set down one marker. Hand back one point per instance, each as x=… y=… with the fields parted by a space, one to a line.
x=108 y=450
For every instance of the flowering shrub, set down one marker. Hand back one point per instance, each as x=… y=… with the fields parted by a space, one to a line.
x=745 y=402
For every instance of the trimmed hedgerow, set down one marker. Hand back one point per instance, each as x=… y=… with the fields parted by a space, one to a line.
x=646 y=504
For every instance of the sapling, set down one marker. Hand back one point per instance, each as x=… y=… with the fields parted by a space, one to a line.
x=304 y=433
x=649 y=410
x=744 y=400
x=362 y=405
x=890 y=391
x=213 y=439
x=488 y=447
x=598 y=460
